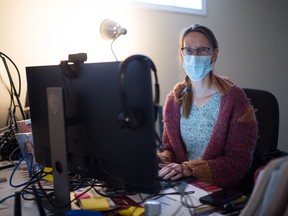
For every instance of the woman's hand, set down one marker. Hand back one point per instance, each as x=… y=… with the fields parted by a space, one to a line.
x=173 y=171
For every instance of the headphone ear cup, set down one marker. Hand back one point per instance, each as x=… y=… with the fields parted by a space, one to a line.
x=124 y=121
x=129 y=120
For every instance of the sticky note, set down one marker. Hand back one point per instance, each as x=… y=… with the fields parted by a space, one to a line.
x=131 y=211
x=95 y=203
x=81 y=195
x=48 y=177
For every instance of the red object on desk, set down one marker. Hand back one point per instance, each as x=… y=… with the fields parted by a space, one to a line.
x=83 y=196
x=124 y=201
x=206 y=186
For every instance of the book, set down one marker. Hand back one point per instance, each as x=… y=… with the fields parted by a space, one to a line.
x=26 y=144
x=24 y=126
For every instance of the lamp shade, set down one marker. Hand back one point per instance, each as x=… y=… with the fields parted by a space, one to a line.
x=111 y=30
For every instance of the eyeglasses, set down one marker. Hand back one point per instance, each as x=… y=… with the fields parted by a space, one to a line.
x=196 y=51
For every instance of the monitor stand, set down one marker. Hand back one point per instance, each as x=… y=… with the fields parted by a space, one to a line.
x=57 y=133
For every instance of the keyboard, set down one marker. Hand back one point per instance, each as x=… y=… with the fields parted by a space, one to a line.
x=168 y=183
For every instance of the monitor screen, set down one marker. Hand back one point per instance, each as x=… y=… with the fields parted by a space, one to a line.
x=97 y=146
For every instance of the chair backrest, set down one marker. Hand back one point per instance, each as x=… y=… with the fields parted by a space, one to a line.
x=267 y=114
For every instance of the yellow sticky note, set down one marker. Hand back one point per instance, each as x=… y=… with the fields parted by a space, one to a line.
x=95 y=203
x=48 y=177
x=131 y=211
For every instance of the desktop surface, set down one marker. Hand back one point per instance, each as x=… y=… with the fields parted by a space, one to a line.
x=7 y=207
x=177 y=200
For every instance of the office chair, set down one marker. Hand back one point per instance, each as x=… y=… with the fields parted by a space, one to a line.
x=267 y=114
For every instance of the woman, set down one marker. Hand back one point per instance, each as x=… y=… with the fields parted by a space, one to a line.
x=210 y=128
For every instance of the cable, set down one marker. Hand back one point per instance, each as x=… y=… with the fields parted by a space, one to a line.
x=10 y=156
x=111 y=47
x=16 y=167
x=49 y=196
x=18 y=73
x=8 y=143
x=38 y=201
x=6 y=198
x=13 y=90
x=5 y=85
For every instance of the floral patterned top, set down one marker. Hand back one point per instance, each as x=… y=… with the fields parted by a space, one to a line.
x=197 y=129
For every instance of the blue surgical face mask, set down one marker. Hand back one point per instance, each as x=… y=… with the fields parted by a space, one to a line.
x=197 y=67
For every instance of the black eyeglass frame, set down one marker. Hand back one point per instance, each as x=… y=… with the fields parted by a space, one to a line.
x=202 y=51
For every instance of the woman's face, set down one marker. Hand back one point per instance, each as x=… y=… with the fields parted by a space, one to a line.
x=197 y=40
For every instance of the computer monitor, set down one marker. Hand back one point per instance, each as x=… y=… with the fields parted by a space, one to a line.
x=98 y=146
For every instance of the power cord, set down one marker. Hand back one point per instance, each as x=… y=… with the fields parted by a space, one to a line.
x=9 y=146
x=13 y=92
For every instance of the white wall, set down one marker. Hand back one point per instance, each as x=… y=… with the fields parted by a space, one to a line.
x=252 y=37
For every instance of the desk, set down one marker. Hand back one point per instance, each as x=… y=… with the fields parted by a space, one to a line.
x=170 y=204
x=7 y=208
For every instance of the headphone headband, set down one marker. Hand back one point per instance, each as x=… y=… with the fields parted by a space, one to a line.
x=127 y=118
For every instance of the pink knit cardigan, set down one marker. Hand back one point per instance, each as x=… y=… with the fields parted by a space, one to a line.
x=229 y=153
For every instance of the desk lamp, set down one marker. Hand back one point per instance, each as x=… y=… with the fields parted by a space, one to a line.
x=111 y=30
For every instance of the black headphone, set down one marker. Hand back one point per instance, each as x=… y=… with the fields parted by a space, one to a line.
x=127 y=118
